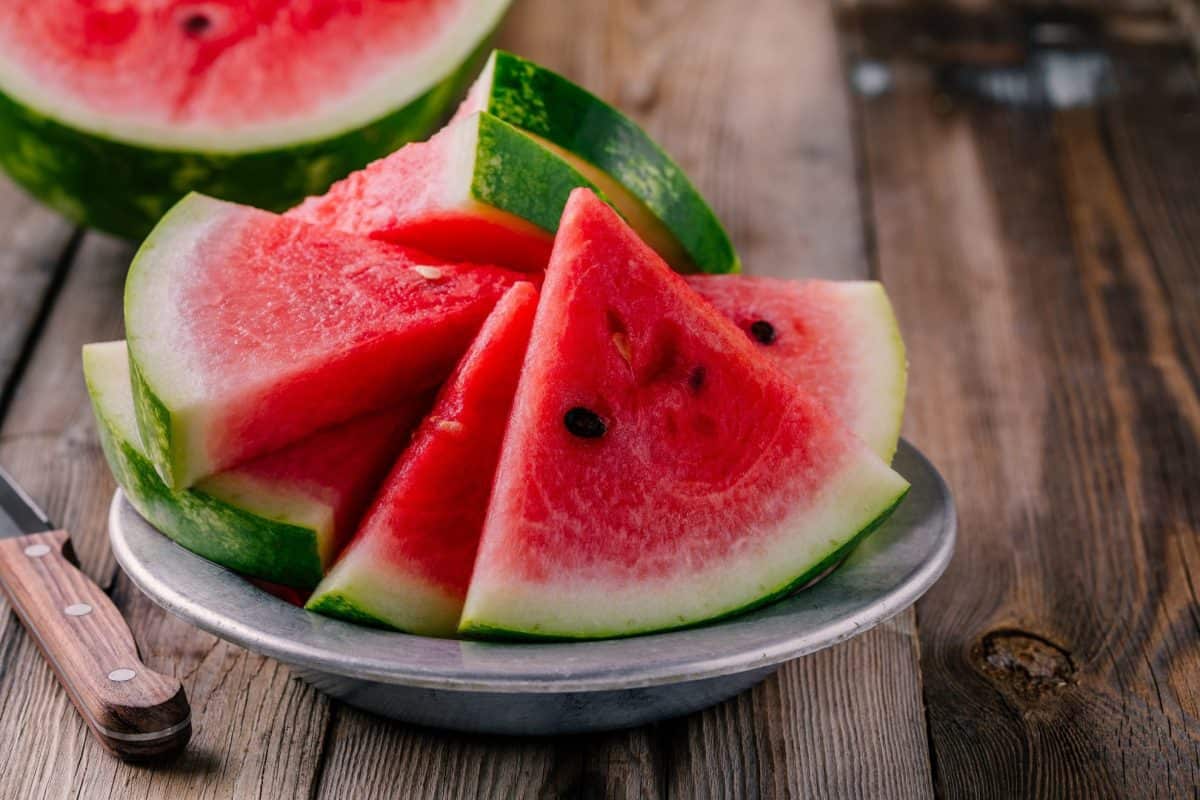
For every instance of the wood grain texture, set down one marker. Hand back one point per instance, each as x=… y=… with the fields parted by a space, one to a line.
x=1053 y=383
x=34 y=245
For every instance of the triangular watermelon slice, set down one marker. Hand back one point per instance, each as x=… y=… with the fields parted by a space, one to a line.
x=282 y=517
x=479 y=190
x=658 y=470
x=837 y=339
x=248 y=331
x=410 y=561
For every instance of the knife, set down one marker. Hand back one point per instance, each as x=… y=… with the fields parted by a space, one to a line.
x=136 y=713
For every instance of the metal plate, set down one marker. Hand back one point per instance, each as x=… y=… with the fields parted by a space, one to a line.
x=883 y=576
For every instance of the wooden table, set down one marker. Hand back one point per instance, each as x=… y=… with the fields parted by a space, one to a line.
x=1025 y=183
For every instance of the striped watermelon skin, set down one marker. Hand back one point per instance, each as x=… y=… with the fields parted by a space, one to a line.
x=611 y=150
x=123 y=186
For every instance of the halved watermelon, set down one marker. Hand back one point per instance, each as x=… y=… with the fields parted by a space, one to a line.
x=838 y=340
x=658 y=470
x=112 y=111
x=480 y=190
x=282 y=517
x=636 y=175
x=410 y=561
x=248 y=331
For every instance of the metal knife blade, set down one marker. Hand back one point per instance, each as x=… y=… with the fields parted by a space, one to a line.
x=19 y=515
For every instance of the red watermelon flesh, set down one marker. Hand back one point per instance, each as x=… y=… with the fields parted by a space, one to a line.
x=658 y=470
x=410 y=561
x=417 y=196
x=838 y=340
x=248 y=331
x=210 y=65
x=339 y=468
x=288 y=594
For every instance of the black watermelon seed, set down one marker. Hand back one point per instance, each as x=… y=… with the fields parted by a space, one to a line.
x=584 y=423
x=762 y=331
x=196 y=24
x=696 y=378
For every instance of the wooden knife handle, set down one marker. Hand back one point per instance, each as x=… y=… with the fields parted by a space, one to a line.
x=136 y=713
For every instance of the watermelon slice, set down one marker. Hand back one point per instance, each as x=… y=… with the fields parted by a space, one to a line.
x=282 y=517
x=636 y=175
x=410 y=561
x=112 y=111
x=248 y=331
x=480 y=190
x=837 y=339
x=658 y=470
x=288 y=594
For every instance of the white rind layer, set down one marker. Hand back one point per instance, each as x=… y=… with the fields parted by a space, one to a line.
x=408 y=79
x=770 y=561
x=367 y=580
x=880 y=365
x=106 y=367
x=170 y=252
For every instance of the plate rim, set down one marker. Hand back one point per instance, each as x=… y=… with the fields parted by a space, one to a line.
x=319 y=657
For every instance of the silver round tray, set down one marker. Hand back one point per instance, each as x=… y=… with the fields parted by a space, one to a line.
x=554 y=687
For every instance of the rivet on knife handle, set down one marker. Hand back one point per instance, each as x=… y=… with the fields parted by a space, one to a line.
x=136 y=713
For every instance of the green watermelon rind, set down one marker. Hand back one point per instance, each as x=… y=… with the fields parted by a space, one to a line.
x=341 y=606
x=517 y=175
x=264 y=548
x=124 y=187
x=381 y=596
x=364 y=584
x=491 y=632
x=548 y=105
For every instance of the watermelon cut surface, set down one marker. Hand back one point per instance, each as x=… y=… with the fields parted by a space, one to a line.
x=479 y=190
x=112 y=111
x=410 y=561
x=838 y=340
x=280 y=518
x=658 y=470
x=248 y=331
x=636 y=175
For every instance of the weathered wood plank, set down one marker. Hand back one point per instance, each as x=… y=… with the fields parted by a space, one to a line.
x=34 y=244
x=779 y=168
x=840 y=723
x=1053 y=382
x=258 y=731
x=47 y=439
